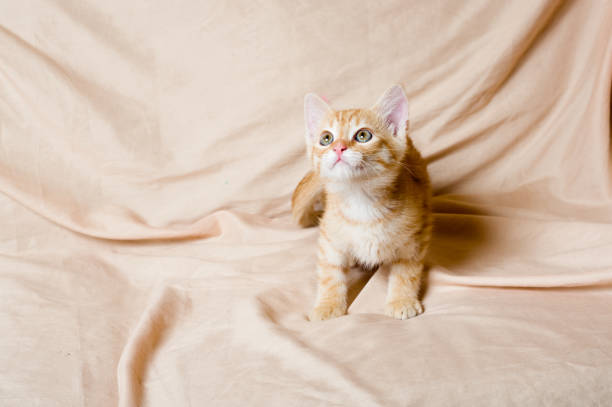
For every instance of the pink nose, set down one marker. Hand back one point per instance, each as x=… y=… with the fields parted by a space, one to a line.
x=339 y=149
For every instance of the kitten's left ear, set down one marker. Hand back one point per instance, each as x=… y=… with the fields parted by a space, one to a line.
x=315 y=110
x=392 y=107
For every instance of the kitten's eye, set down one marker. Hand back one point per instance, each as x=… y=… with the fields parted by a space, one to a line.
x=326 y=139
x=363 y=136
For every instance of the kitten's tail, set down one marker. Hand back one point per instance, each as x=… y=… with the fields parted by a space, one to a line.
x=308 y=201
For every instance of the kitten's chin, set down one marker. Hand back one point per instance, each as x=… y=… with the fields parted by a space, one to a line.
x=341 y=171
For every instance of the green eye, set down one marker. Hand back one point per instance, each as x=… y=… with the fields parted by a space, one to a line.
x=363 y=136
x=326 y=139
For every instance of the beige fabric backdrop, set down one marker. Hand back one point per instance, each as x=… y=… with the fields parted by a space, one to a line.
x=148 y=151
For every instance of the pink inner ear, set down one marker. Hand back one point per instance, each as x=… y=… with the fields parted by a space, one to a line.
x=398 y=116
x=315 y=110
x=393 y=107
x=314 y=120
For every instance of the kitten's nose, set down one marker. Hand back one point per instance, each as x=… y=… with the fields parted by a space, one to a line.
x=340 y=147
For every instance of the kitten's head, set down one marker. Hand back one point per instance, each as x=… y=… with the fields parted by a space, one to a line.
x=353 y=145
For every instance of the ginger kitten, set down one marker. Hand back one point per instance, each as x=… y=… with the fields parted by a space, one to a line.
x=373 y=188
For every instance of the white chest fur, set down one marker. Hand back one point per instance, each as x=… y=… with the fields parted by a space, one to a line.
x=371 y=244
x=358 y=205
x=362 y=228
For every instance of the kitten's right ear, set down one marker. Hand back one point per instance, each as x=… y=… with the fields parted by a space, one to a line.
x=315 y=110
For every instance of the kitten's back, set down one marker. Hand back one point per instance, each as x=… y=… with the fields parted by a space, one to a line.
x=308 y=201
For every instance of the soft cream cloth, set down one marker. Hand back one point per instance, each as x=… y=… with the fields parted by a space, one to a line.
x=148 y=151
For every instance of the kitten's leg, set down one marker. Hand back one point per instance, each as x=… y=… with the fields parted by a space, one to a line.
x=332 y=287
x=404 y=285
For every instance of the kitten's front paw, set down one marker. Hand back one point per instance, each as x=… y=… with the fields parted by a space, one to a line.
x=404 y=308
x=323 y=312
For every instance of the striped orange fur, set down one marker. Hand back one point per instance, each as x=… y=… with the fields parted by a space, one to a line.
x=374 y=195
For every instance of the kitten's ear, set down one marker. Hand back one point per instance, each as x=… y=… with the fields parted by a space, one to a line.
x=315 y=110
x=392 y=107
